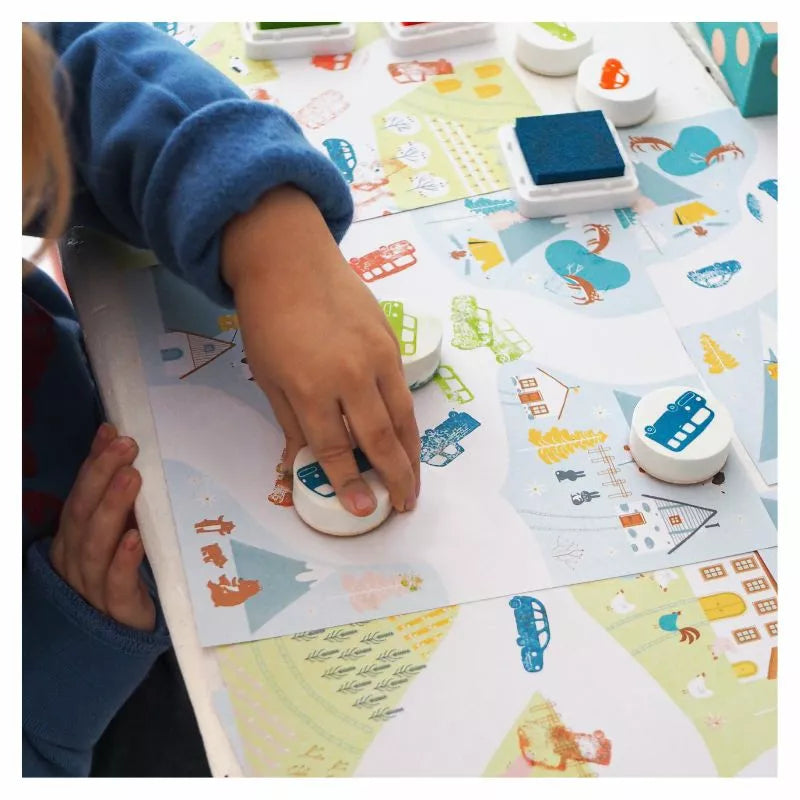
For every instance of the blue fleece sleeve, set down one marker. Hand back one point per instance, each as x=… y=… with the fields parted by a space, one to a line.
x=78 y=666
x=168 y=150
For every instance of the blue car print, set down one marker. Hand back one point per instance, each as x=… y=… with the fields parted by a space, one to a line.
x=341 y=152
x=313 y=477
x=533 y=628
x=682 y=422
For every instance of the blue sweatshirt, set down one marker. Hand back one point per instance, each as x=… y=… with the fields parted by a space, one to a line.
x=165 y=150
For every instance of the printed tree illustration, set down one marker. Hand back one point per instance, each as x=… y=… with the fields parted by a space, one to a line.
x=568 y=552
x=413 y=154
x=559 y=444
x=368 y=592
x=401 y=123
x=427 y=184
x=352 y=687
x=716 y=358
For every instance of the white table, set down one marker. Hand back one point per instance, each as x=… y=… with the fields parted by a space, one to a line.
x=93 y=266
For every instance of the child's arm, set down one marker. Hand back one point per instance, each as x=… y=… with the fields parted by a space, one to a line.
x=169 y=152
x=90 y=629
x=338 y=355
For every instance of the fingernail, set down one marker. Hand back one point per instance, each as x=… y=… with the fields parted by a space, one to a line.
x=411 y=502
x=360 y=502
x=103 y=433
x=132 y=540
x=124 y=444
x=122 y=480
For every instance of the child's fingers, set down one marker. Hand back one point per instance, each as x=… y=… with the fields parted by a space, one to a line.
x=106 y=527
x=106 y=433
x=93 y=479
x=397 y=396
x=292 y=431
x=127 y=598
x=328 y=438
x=375 y=433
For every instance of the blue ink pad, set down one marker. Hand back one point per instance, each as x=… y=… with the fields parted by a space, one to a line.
x=562 y=148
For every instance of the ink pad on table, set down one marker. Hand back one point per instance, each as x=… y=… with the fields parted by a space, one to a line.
x=271 y=26
x=567 y=163
x=560 y=148
x=269 y=40
x=411 y=38
x=680 y=435
x=317 y=505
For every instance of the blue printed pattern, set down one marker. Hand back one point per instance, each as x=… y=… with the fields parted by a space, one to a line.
x=715 y=275
x=440 y=445
x=533 y=628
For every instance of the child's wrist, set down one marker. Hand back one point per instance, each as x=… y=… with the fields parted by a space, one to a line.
x=283 y=231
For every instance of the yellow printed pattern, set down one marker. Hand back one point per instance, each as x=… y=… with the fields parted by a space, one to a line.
x=558 y=444
x=424 y=631
x=716 y=358
x=309 y=705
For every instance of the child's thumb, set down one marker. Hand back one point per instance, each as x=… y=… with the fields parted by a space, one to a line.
x=127 y=598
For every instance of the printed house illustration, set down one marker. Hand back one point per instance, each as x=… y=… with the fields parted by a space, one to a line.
x=739 y=597
x=542 y=394
x=657 y=524
x=183 y=353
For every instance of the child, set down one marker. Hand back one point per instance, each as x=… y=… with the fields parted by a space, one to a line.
x=166 y=153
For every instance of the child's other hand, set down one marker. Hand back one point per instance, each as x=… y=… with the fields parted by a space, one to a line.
x=94 y=550
x=320 y=347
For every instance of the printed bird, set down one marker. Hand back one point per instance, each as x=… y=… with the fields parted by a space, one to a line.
x=663 y=577
x=697 y=687
x=669 y=623
x=620 y=605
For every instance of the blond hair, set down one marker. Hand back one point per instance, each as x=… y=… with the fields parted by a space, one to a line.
x=46 y=171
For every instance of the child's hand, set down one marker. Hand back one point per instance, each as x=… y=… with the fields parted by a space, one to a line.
x=90 y=551
x=320 y=347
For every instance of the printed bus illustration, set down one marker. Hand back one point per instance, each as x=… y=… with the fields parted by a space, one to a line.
x=533 y=628
x=682 y=422
x=341 y=152
x=386 y=260
x=474 y=327
x=322 y=109
x=508 y=344
x=440 y=445
x=418 y=71
x=455 y=390
x=313 y=477
x=403 y=325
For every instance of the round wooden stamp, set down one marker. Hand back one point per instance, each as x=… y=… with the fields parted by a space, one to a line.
x=680 y=435
x=620 y=86
x=316 y=502
x=420 y=340
x=552 y=48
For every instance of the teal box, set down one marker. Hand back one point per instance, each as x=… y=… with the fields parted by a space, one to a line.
x=747 y=55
